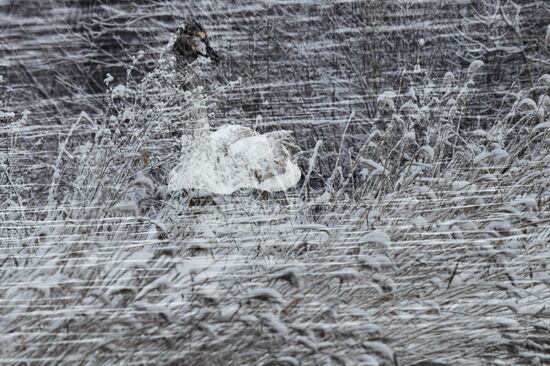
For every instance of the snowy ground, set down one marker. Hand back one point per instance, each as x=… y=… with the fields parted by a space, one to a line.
x=413 y=227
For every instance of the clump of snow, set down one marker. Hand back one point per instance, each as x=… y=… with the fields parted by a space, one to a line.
x=526 y=104
x=475 y=66
x=235 y=157
x=449 y=78
x=541 y=126
x=275 y=324
x=266 y=294
x=386 y=100
x=378 y=237
x=108 y=79
x=120 y=91
x=428 y=151
x=544 y=80
x=7 y=115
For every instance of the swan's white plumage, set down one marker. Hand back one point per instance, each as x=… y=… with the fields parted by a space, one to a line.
x=235 y=157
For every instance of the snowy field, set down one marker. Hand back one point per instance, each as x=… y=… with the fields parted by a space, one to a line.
x=353 y=183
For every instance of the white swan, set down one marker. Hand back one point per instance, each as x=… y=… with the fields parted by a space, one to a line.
x=235 y=157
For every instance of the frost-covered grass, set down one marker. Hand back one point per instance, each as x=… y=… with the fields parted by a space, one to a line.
x=427 y=241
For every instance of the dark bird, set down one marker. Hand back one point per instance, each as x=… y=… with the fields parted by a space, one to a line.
x=192 y=42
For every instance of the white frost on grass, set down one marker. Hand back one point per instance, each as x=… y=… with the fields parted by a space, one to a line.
x=7 y=115
x=235 y=157
x=386 y=100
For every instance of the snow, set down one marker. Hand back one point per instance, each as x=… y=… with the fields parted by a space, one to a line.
x=367 y=360
x=544 y=79
x=119 y=91
x=527 y=104
x=6 y=115
x=371 y=262
x=436 y=254
x=234 y=157
x=429 y=151
x=275 y=324
x=265 y=294
x=379 y=348
x=541 y=126
x=386 y=100
x=378 y=237
x=108 y=79
x=475 y=66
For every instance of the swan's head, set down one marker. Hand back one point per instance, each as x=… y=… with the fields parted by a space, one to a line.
x=192 y=42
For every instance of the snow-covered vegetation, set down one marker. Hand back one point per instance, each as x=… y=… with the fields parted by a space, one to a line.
x=415 y=232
